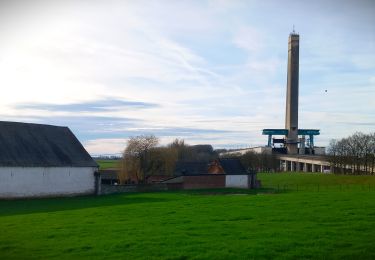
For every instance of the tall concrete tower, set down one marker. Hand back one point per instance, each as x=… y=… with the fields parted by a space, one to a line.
x=291 y=117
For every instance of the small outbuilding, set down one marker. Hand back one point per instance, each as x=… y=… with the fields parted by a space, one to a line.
x=220 y=173
x=39 y=160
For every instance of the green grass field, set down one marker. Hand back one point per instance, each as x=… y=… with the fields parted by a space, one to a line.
x=106 y=164
x=329 y=223
x=317 y=182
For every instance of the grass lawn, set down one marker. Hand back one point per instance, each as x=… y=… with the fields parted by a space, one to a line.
x=205 y=225
x=106 y=164
x=317 y=182
x=314 y=178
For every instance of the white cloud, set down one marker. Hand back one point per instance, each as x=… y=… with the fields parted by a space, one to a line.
x=249 y=39
x=165 y=53
x=107 y=145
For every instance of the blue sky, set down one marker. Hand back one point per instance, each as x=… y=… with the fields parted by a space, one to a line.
x=205 y=71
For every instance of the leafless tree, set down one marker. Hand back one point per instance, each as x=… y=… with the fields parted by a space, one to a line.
x=261 y=162
x=142 y=158
x=134 y=159
x=354 y=154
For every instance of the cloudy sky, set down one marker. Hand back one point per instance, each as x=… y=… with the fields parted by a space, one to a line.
x=205 y=71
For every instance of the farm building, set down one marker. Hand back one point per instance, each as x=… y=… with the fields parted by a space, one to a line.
x=221 y=173
x=109 y=176
x=43 y=160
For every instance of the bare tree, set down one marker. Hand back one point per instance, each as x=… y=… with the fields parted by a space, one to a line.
x=142 y=158
x=354 y=154
x=135 y=156
x=259 y=161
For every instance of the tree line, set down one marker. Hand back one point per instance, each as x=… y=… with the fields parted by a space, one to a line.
x=143 y=157
x=259 y=162
x=353 y=155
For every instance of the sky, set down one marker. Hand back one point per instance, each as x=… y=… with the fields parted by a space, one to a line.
x=208 y=72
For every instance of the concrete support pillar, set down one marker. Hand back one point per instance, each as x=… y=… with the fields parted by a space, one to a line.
x=321 y=168
x=304 y=167
x=313 y=167
x=285 y=165
x=269 y=140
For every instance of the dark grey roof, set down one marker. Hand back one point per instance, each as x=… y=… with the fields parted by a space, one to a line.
x=232 y=166
x=190 y=168
x=24 y=144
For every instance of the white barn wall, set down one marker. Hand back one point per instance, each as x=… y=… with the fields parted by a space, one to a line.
x=16 y=182
x=237 y=181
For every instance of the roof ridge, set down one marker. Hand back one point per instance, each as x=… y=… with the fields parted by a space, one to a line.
x=26 y=123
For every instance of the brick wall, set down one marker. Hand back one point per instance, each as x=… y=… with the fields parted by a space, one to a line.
x=204 y=181
x=111 y=189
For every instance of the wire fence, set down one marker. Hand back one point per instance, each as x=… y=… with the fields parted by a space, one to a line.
x=322 y=187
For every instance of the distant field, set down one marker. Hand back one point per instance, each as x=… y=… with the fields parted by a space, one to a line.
x=315 y=178
x=209 y=224
x=314 y=181
x=105 y=164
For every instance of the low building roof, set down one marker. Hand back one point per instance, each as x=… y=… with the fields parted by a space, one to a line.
x=229 y=165
x=37 y=145
x=190 y=168
x=109 y=174
x=232 y=166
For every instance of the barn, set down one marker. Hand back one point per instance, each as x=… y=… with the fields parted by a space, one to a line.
x=220 y=173
x=39 y=160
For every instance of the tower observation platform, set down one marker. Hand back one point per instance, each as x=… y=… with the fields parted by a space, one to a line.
x=305 y=141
